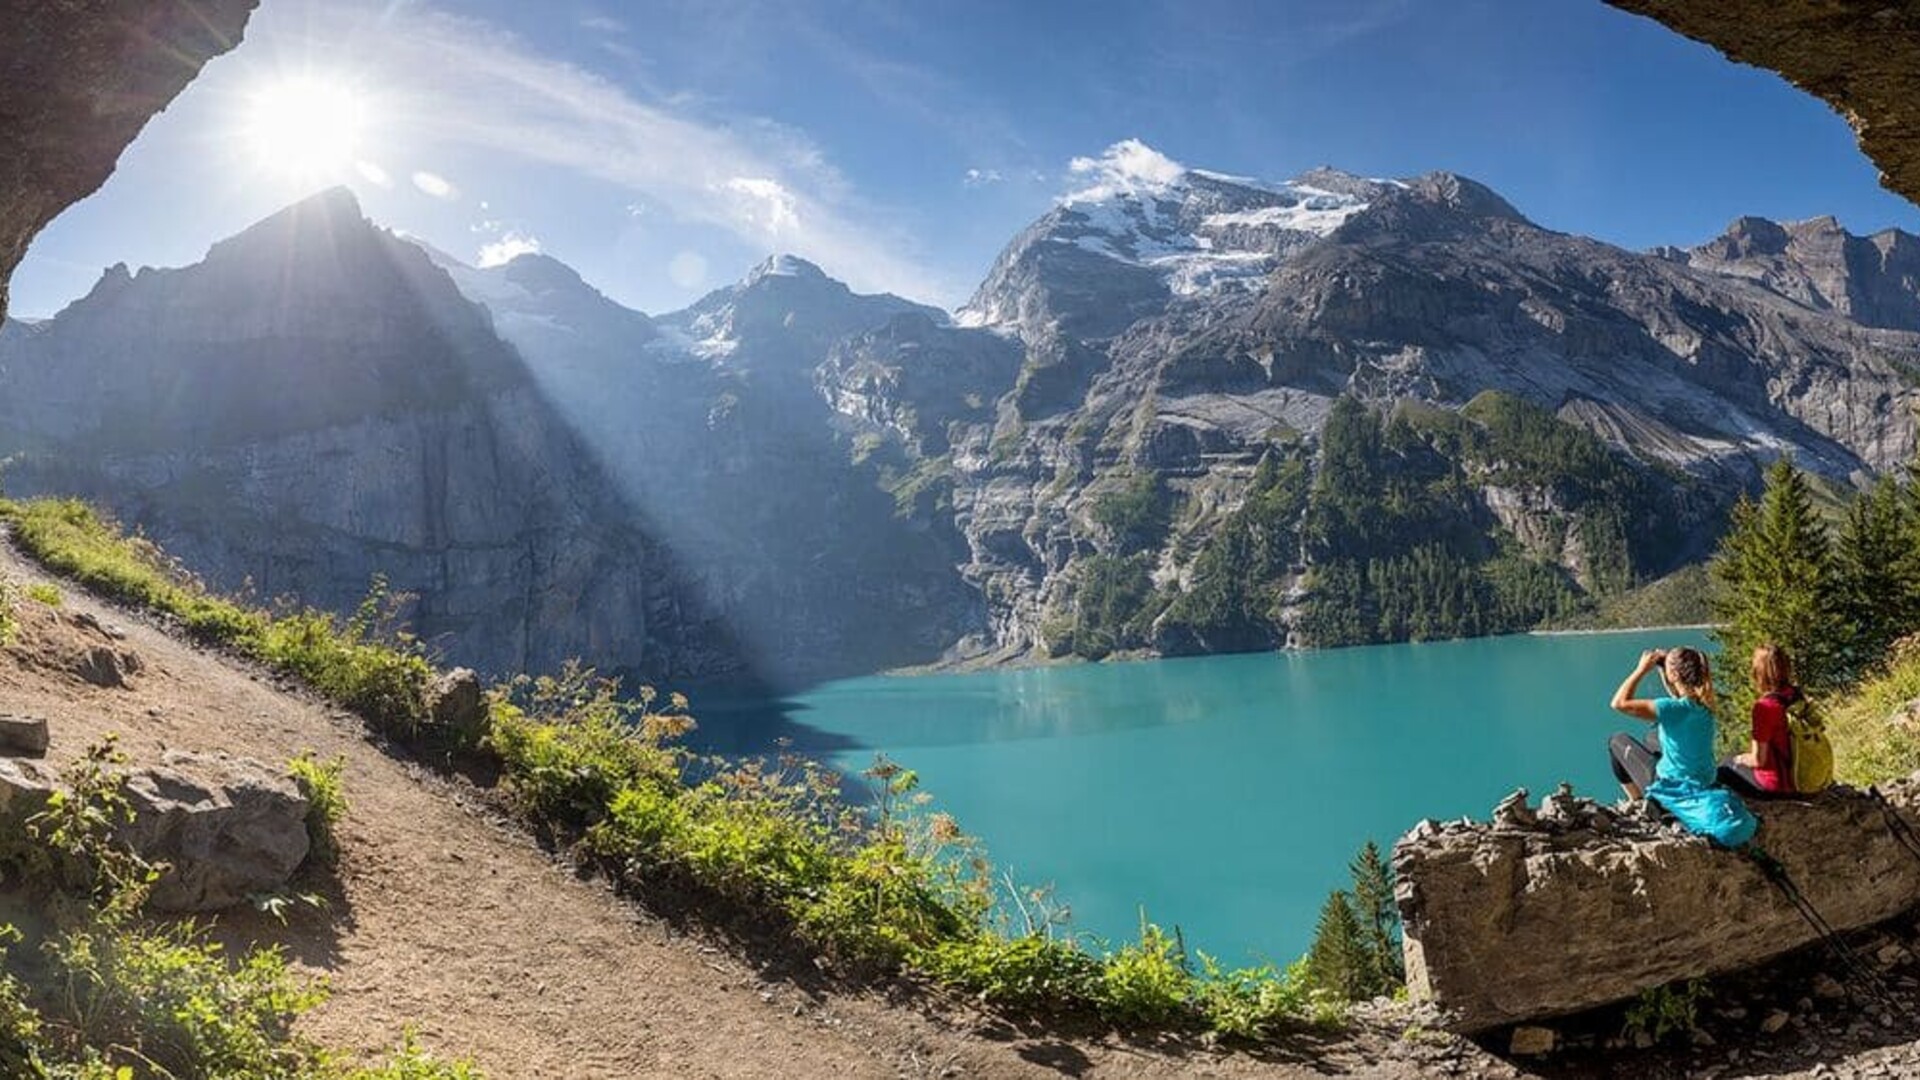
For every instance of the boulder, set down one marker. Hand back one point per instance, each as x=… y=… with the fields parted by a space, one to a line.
x=1507 y=923
x=107 y=667
x=23 y=735
x=457 y=707
x=24 y=788
x=227 y=827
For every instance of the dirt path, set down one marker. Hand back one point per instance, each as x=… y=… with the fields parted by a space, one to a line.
x=446 y=917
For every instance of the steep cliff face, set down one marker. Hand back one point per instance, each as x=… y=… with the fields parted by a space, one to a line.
x=315 y=404
x=82 y=78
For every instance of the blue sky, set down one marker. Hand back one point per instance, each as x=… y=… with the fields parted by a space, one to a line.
x=664 y=148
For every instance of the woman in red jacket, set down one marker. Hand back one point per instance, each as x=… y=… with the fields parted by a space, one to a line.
x=1766 y=768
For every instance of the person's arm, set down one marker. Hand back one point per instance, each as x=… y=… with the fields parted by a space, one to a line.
x=1623 y=699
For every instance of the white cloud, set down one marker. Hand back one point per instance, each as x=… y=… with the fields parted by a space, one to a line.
x=688 y=269
x=766 y=204
x=435 y=185
x=506 y=249
x=603 y=24
x=979 y=177
x=467 y=83
x=1127 y=167
x=373 y=174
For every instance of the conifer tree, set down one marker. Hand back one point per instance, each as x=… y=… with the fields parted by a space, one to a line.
x=1774 y=581
x=1379 y=920
x=1337 y=962
x=1877 y=594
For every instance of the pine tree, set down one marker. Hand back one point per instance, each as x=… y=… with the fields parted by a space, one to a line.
x=1337 y=962
x=1379 y=920
x=1774 y=581
x=1877 y=595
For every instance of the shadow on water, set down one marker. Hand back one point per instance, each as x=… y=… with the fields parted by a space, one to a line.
x=738 y=721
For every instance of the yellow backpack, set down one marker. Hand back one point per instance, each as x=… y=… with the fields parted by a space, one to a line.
x=1812 y=762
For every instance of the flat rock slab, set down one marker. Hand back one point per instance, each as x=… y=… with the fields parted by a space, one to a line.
x=23 y=735
x=1544 y=914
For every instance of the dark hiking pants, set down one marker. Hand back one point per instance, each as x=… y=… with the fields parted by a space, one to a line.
x=1634 y=759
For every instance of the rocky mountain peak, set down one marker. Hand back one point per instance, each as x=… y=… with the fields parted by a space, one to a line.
x=786 y=266
x=321 y=218
x=540 y=273
x=1873 y=280
x=785 y=300
x=1459 y=193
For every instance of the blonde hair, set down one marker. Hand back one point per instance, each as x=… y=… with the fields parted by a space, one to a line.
x=1690 y=674
x=1772 y=668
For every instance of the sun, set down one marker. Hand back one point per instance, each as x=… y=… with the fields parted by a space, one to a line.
x=305 y=127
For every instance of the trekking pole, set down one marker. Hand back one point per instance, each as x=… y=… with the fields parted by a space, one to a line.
x=1856 y=969
x=1896 y=824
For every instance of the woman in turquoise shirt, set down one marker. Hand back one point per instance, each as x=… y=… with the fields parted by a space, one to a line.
x=1676 y=766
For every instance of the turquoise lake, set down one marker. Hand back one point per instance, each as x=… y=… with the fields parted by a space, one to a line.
x=1221 y=794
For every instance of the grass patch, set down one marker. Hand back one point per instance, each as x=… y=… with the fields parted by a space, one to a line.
x=1876 y=737
x=43 y=593
x=326 y=797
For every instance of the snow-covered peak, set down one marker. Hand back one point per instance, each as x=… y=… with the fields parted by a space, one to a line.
x=785 y=265
x=1202 y=231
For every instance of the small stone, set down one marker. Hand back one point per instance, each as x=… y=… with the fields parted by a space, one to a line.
x=1826 y=986
x=1643 y=1040
x=23 y=735
x=1513 y=812
x=1702 y=1038
x=1733 y=1012
x=1529 y=1041
x=1775 y=1020
x=1891 y=955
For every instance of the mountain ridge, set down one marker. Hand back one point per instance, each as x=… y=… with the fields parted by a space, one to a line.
x=839 y=481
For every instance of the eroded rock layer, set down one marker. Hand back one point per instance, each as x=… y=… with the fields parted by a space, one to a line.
x=78 y=80
x=1861 y=58
x=1548 y=913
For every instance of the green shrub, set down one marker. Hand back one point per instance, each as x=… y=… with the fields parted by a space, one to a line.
x=1031 y=971
x=1146 y=983
x=169 y=997
x=43 y=593
x=1250 y=1003
x=320 y=781
x=1661 y=1011
x=8 y=621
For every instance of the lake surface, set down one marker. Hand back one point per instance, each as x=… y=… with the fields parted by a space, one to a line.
x=1222 y=794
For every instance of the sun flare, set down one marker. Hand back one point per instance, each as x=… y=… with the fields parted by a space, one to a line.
x=305 y=127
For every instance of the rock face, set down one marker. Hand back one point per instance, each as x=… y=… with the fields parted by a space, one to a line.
x=82 y=78
x=1861 y=58
x=226 y=827
x=1535 y=916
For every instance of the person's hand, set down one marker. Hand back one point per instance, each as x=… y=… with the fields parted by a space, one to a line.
x=1651 y=659
x=1746 y=759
